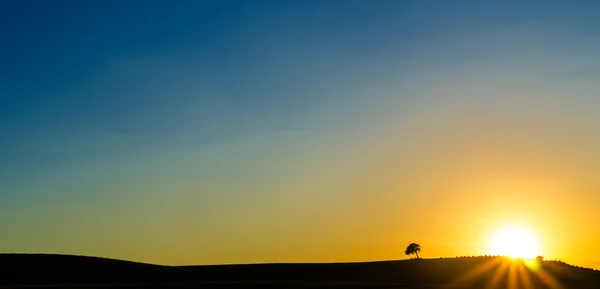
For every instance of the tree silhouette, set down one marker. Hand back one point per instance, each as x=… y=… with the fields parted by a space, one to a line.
x=413 y=248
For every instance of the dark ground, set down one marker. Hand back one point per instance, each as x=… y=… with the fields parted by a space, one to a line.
x=62 y=271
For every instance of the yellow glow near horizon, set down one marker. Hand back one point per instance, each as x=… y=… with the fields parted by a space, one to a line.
x=514 y=242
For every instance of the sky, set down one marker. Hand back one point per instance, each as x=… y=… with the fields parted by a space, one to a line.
x=210 y=132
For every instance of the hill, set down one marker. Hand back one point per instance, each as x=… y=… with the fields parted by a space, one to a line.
x=468 y=272
x=53 y=268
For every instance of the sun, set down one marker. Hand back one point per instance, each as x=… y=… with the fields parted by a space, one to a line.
x=515 y=242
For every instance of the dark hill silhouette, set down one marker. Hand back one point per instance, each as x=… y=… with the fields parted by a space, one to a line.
x=54 y=268
x=464 y=272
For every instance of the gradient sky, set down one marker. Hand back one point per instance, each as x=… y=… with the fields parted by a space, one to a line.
x=196 y=132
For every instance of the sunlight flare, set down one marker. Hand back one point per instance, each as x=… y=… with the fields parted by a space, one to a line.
x=515 y=242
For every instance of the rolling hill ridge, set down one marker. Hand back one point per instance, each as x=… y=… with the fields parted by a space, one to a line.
x=467 y=271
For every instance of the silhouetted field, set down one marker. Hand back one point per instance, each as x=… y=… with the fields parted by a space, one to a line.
x=63 y=271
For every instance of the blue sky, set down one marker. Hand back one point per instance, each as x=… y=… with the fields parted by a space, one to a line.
x=126 y=72
x=114 y=107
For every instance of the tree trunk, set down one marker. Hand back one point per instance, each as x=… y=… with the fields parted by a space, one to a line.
x=417 y=254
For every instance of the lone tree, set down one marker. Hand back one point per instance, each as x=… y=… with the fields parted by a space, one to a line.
x=413 y=248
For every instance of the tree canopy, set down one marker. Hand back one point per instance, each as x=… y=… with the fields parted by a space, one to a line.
x=413 y=248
